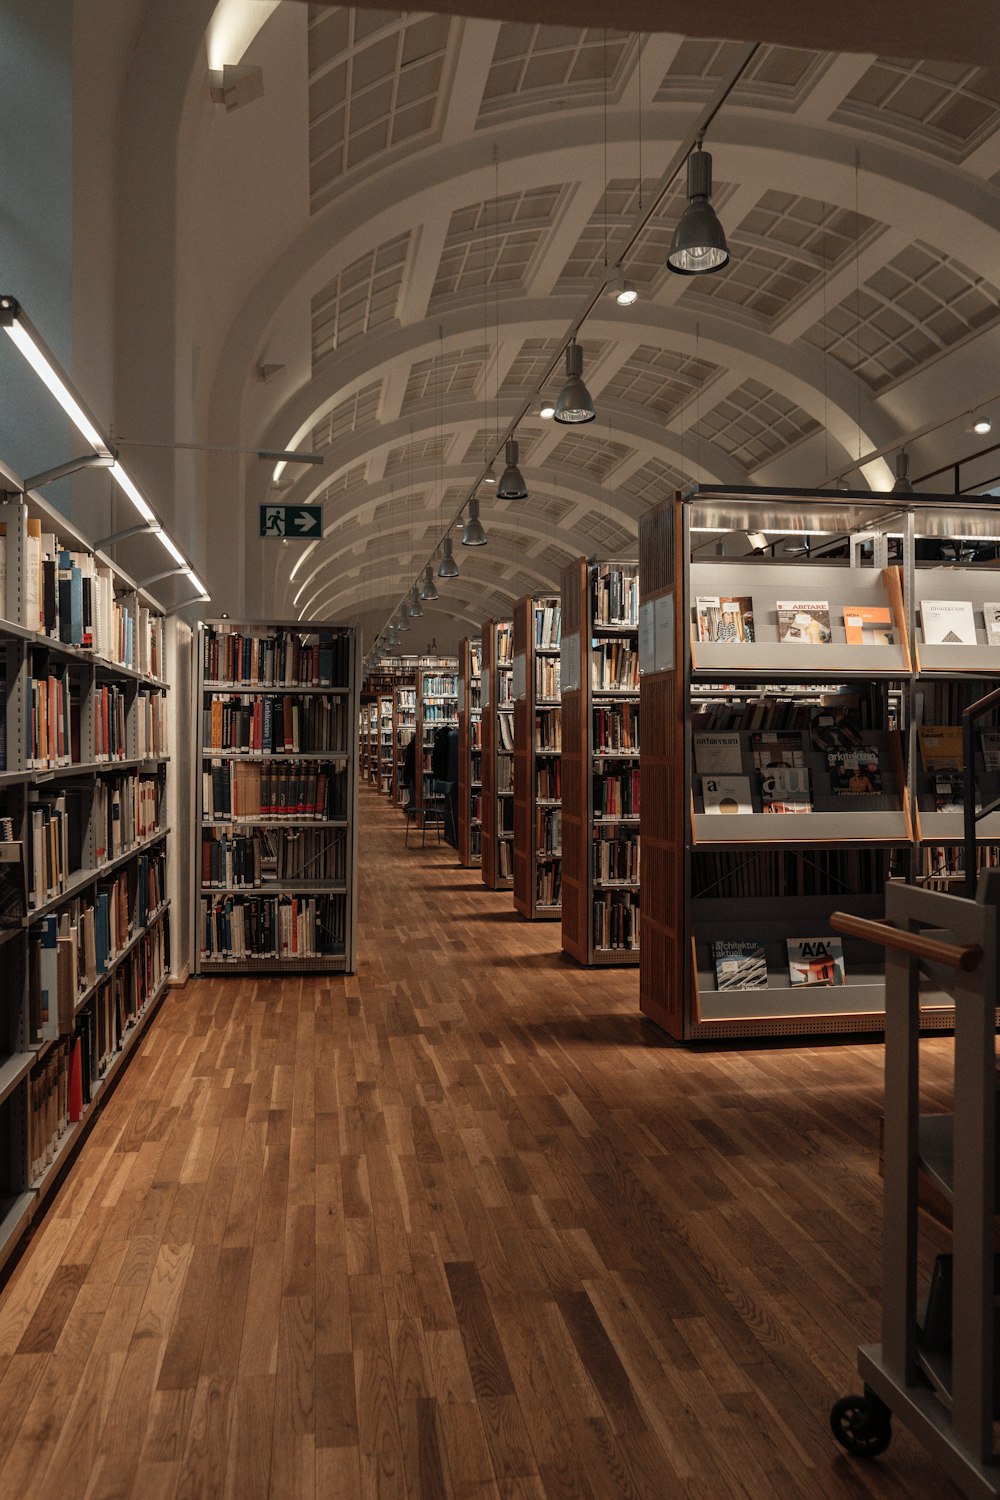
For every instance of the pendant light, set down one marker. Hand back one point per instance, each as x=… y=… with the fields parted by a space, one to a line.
x=449 y=567
x=699 y=243
x=574 y=404
x=473 y=535
x=512 y=485
x=490 y=477
x=903 y=486
x=428 y=589
x=415 y=607
x=404 y=623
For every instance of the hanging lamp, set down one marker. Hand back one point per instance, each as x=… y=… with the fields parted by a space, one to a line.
x=415 y=607
x=574 y=404
x=448 y=567
x=473 y=535
x=428 y=589
x=404 y=622
x=490 y=477
x=699 y=243
x=512 y=485
x=903 y=485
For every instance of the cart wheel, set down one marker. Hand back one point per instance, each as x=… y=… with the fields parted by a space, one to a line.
x=862 y=1425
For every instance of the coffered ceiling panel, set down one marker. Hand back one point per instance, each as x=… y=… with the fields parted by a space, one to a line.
x=553 y=66
x=362 y=297
x=754 y=424
x=948 y=108
x=353 y=415
x=658 y=380
x=492 y=243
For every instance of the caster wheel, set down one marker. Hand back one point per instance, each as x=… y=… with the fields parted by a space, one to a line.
x=862 y=1425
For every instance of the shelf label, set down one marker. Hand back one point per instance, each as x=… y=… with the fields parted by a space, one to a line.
x=647 y=639
x=304 y=522
x=569 y=662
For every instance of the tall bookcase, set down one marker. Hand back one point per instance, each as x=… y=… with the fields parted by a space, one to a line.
x=498 y=754
x=600 y=765
x=537 y=758
x=384 y=752
x=84 y=908
x=437 y=708
x=768 y=881
x=369 y=741
x=277 y=810
x=470 y=753
x=404 y=727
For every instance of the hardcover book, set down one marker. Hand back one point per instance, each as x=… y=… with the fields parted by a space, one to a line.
x=739 y=966
x=785 y=789
x=727 y=794
x=725 y=620
x=804 y=623
x=940 y=747
x=948 y=622
x=868 y=625
x=816 y=961
x=855 y=773
x=991 y=619
x=717 y=754
x=777 y=749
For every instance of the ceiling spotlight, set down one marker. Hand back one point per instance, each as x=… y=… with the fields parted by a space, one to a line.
x=428 y=589
x=903 y=486
x=415 y=607
x=624 y=292
x=490 y=477
x=449 y=567
x=979 y=423
x=574 y=404
x=512 y=485
x=473 y=535
x=699 y=243
x=547 y=411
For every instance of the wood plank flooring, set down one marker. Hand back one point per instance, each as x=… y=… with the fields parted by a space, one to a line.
x=460 y=1227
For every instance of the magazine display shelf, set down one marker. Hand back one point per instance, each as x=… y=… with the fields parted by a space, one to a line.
x=82 y=1024
x=470 y=753
x=537 y=716
x=498 y=759
x=763 y=878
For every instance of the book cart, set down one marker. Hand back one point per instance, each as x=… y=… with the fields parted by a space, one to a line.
x=498 y=755
x=600 y=762
x=404 y=727
x=470 y=753
x=383 y=751
x=277 y=798
x=84 y=911
x=537 y=757
x=734 y=876
x=437 y=708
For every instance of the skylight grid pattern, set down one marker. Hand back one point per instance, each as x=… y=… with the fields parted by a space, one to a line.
x=374 y=83
x=909 y=310
x=540 y=63
x=454 y=374
x=354 y=414
x=421 y=451
x=529 y=366
x=754 y=424
x=352 y=479
x=607 y=225
x=362 y=297
x=949 y=107
x=658 y=379
x=654 y=481
x=610 y=537
x=589 y=455
x=778 y=77
x=482 y=446
x=493 y=243
x=399 y=505
x=551 y=507
x=556 y=556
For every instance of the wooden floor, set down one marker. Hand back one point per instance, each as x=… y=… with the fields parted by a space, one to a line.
x=461 y=1225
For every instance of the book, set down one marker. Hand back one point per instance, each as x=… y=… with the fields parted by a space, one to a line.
x=739 y=966
x=816 y=960
x=718 y=754
x=990 y=740
x=804 y=623
x=940 y=747
x=991 y=619
x=726 y=794
x=785 y=789
x=835 y=728
x=725 y=619
x=777 y=749
x=868 y=625
x=948 y=622
x=855 y=773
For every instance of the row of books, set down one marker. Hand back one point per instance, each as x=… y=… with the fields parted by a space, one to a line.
x=548 y=730
x=812 y=961
x=102 y=1025
x=505 y=859
x=150 y=725
x=505 y=690
x=440 y=713
x=48 y=1108
x=439 y=685
x=475 y=735
x=548 y=677
x=942 y=866
x=119 y=811
x=475 y=659
x=615 y=592
x=615 y=917
x=616 y=856
x=505 y=773
x=253 y=859
x=548 y=830
x=614 y=666
x=273 y=724
x=279 y=658
x=782 y=873
x=548 y=626
x=505 y=729
x=616 y=727
x=548 y=883
x=770 y=711
x=110 y=722
x=70 y=597
x=308 y=789
x=548 y=779
x=616 y=794
x=53 y=720
x=505 y=645
x=289 y=927
x=808 y=622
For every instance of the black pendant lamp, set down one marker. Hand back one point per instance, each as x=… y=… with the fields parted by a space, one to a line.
x=512 y=485
x=699 y=244
x=428 y=589
x=449 y=567
x=473 y=535
x=574 y=404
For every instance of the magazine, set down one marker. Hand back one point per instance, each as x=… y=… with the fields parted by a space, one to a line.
x=940 y=747
x=949 y=791
x=948 y=622
x=868 y=625
x=739 y=966
x=776 y=748
x=717 y=754
x=855 y=773
x=727 y=794
x=725 y=620
x=990 y=740
x=991 y=619
x=804 y=624
x=785 y=789
x=816 y=960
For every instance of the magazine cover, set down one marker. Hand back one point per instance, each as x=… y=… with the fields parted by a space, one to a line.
x=949 y=792
x=727 y=794
x=725 y=620
x=990 y=740
x=868 y=625
x=785 y=789
x=718 y=754
x=948 y=622
x=804 y=624
x=816 y=960
x=855 y=773
x=739 y=966
x=940 y=747
x=777 y=748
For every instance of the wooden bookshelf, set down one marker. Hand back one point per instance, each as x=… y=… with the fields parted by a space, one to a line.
x=384 y=759
x=404 y=727
x=497 y=760
x=600 y=921
x=437 y=708
x=537 y=758
x=470 y=753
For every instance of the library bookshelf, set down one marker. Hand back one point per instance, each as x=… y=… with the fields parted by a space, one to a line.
x=437 y=709
x=470 y=753
x=368 y=741
x=600 y=762
x=404 y=727
x=537 y=758
x=498 y=754
x=277 y=797
x=836 y=686
x=84 y=909
x=383 y=751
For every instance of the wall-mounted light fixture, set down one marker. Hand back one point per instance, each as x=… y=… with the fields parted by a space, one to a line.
x=236 y=84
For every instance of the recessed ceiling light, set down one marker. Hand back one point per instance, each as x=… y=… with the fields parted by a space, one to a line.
x=547 y=410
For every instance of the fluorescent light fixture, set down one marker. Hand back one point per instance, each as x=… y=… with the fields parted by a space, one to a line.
x=290 y=456
x=124 y=482
x=174 y=550
x=196 y=581
x=24 y=337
